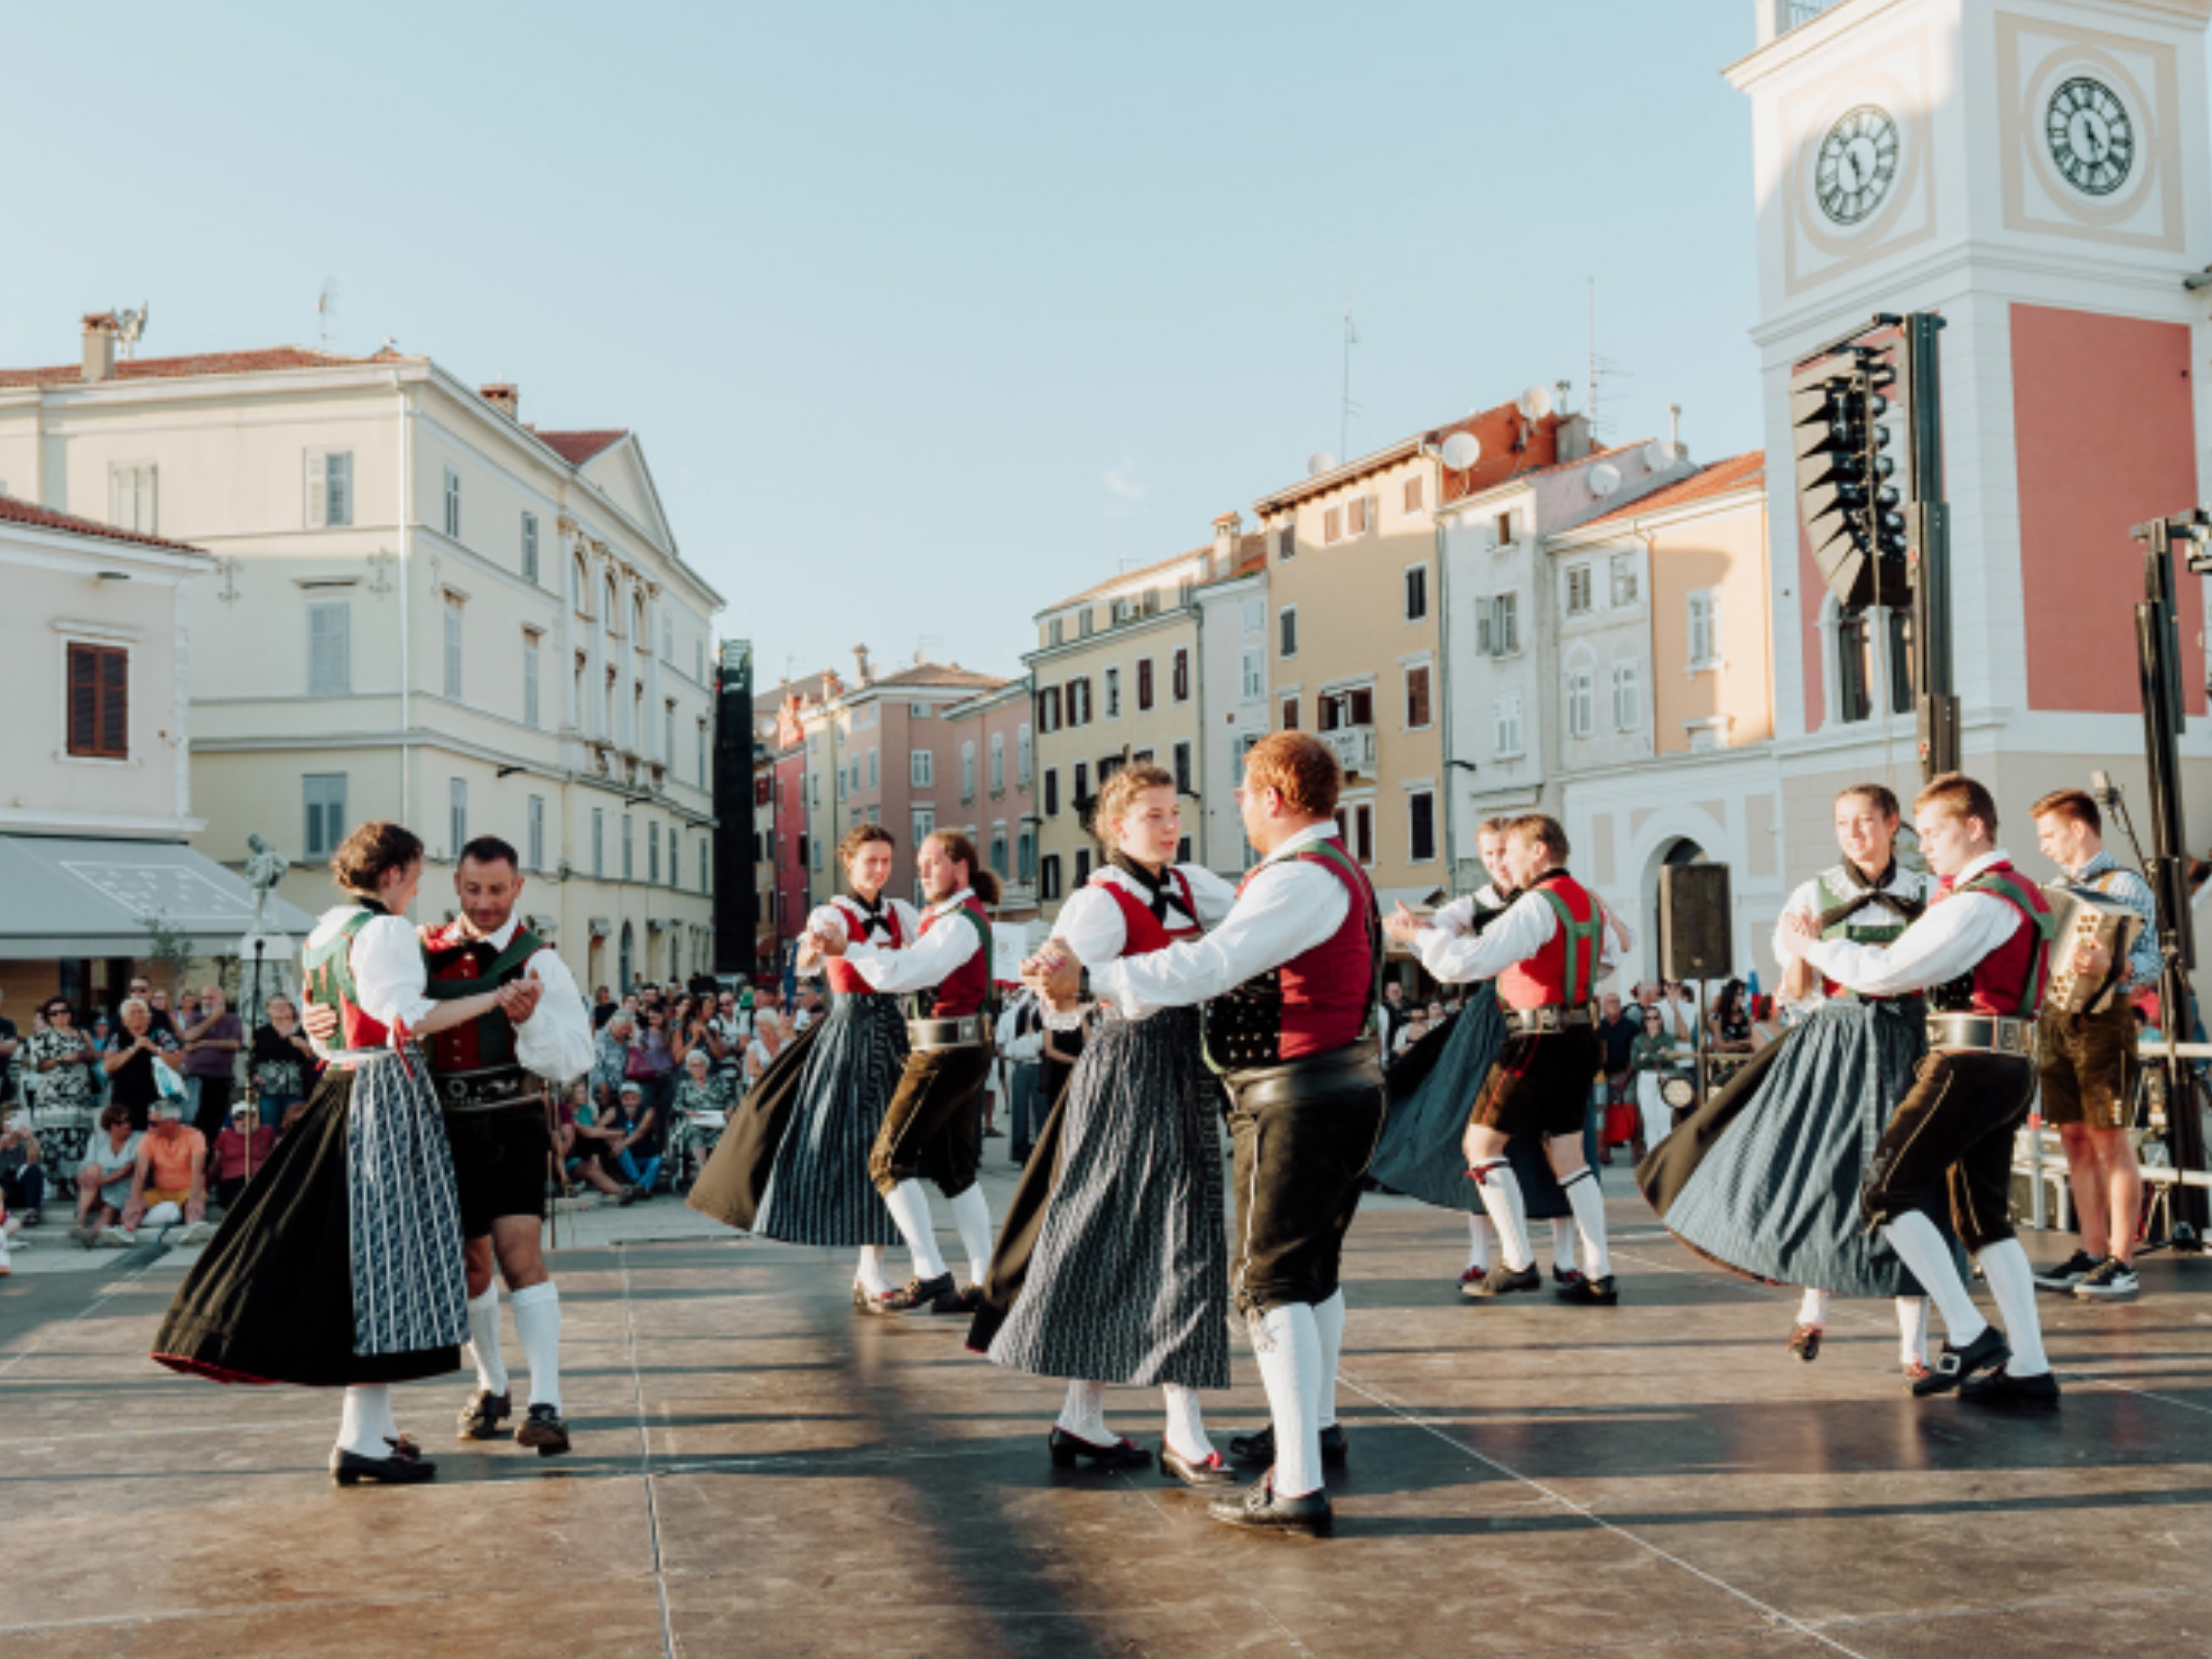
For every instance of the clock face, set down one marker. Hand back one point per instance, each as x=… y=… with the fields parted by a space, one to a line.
x=1857 y=164
x=2091 y=137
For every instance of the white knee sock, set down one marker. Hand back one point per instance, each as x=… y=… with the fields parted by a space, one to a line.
x=365 y=1424
x=1563 y=1242
x=1185 y=1431
x=1329 y=1324
x=1478 y=1242
x=909 y=1207
x=871 y=1275
x=1501 y=1196
x=1912 y=1329
x=537 y=1323
x=1920 y=1247
x=1083 y=1416
x=1287 y=1340
x=2012 y=1284
x=1813 y=1310
x=1588 y=1205
x=483 y=1340
x=971 y=1215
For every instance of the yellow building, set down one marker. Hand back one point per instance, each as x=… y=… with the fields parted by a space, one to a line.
x=1117 y=679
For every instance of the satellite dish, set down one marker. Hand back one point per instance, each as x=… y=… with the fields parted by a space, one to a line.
x=1535 y=403
x=1461 y=451
x=1658 y=454
x=1604 y=478
x=1319 y=462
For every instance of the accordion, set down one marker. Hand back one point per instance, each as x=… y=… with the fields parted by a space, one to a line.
x=2083 y=916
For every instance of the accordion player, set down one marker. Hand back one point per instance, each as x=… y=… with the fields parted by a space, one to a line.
x=2083 y=916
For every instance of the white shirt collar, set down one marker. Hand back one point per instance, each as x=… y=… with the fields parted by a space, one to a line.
x=1994 y=855
x=498 y=940
x=1324 y=831
x=946 y=907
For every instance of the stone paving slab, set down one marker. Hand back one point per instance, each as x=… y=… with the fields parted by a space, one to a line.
x=759 y=1471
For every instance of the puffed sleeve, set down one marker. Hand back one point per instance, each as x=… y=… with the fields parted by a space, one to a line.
x=1214 y=898
x=1090 y=925
x=389 y=972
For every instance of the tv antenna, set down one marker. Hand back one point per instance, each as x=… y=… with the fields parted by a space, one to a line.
x=1601 y=367
x=326 y=309
x=1349 y=408
x=130 y=324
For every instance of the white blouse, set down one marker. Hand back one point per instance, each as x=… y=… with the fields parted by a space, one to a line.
x=1090 y=923
x=389 y=974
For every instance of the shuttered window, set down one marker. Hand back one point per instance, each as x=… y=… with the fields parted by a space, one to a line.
x=1182 y=674
x=329 y=488
x=329 y=648
x=99 y=701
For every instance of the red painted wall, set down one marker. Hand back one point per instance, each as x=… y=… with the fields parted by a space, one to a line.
x=1812 y=597
x=2106 y=439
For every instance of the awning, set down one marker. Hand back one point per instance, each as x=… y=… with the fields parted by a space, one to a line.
x=69 y=896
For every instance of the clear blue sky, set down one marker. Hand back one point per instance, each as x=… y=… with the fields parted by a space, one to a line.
x=927 y=316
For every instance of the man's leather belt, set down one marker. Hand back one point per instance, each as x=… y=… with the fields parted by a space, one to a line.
x=1986 y=1032
x=489 y=1089
x=967 y=1032
x=1553 y=1017
x=1339 y=1072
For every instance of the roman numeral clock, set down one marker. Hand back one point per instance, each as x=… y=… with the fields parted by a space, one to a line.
x=1857 y=166
x=2092 y=139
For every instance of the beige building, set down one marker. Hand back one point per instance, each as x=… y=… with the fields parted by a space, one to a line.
x=421 y=608
x=96 y=787
x=1117 y=673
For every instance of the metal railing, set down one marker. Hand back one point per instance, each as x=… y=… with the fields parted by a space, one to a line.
x=1804 y=11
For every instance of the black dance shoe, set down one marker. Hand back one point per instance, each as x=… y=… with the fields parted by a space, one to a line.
x=406 y=1467
x=1954 y=1365
x=1068 y=1449
x=1805 y=1342
x=1566 y=1278
x=1589 y=1293
x=915 y=1293
x=2001 y=1388
x=1211 y=1473
x=969 y=1301
x=1258 y=1509
x=482 y=1418
x=1258 y=1446
x=544 y=1431
x=1503 y=1281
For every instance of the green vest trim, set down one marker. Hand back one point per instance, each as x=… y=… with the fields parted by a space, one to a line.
x=2006 y=885
x=326 y=969
x=494 y=1031
x=1579 y=934
x=1858 y=932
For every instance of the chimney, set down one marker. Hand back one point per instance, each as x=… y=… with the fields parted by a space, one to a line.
x=1228 y=531
x=860 y=657
x=99 y=328
x=1572 y=438
x=1674 y=429
x=504 y=398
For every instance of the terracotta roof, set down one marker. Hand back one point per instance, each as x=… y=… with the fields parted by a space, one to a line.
x=767 y=699
x=1737 y=472
x=1251 y=557
x=15 y=512
x=1499 y=429
x=171 y=368
x=935 y=673
x=577 y=447
x=1152 y=570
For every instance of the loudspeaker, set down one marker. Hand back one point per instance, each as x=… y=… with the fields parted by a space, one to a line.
x=1695 y=937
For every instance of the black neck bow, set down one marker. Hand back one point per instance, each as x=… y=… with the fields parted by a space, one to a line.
x=1161 y=893
x=872 y=916
x=1864 y=892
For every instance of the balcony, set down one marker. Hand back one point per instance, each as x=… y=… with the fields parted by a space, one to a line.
x=1353 y=747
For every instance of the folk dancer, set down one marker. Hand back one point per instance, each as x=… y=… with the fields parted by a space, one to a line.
x=793 y=1166
x=1982 y=951
x=1764 y=1178
x=1546 y=954
x=1421 y=1154
x=1112 y=1266
x=934 y=1125
x=341 y=1263
x=1292 y=978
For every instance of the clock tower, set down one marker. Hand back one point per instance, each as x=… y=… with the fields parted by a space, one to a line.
x=2040 y=174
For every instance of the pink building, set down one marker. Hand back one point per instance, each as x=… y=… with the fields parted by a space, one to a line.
x=993 y=794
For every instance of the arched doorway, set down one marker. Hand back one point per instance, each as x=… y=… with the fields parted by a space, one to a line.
x=625 y=978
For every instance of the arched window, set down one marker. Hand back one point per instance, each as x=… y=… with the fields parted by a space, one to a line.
x=612 y=615
x=1853 y=665
x=580 y=583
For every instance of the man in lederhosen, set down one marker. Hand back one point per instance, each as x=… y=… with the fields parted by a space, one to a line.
x=491 y=1076
x=933 y=1126
x=1547 y=954
x=1291 y=981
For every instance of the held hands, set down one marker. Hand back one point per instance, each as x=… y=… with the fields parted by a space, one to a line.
x=1056 y=976
x=1403 y=925
x=319 y=1022
x=519 y=1000
x=1797 y=931
x=827 y=942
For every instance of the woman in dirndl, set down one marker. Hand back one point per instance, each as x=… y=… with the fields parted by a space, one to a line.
x=340 y=1264
x=1113 y=1264
x=793 y=1165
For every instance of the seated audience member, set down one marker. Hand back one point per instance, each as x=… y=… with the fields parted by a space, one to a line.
x=103 y=1179
x=22 y=1177
x=241 y=1149
x=169 y=1183
x=641 y=1137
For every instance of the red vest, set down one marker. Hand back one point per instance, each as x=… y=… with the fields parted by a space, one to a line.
x=1543 y=981
x=963 y=991
x=845 y=979
x=328 y=980
x=1327 y=990
x=2009 y=982
x=1143 y=932
x=488 y=1039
